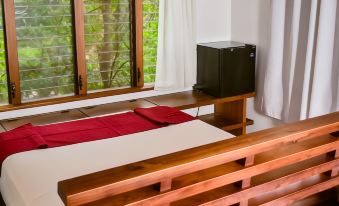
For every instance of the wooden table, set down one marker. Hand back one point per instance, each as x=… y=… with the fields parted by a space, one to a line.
x=229 y=113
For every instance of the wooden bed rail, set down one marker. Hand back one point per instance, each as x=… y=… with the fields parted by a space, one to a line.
x=270 y=167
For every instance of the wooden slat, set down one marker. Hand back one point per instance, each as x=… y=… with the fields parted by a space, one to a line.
x=274 y=184
x=236 y=176
x=203 y=198
x=249 y=161
x=139 y=46
x=80 y=51
x=264 y=178
x=149 y=172
x=299 y=195
x=115 y=107
x=11 y=51
x=44 y=119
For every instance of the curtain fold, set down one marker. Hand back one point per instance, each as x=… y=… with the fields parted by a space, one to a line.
x=301 y=79
x=176 y=57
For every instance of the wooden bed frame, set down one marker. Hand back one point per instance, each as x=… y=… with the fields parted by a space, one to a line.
x=271 y=167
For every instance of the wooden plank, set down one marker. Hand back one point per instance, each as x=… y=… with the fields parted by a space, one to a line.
x=224 y=123
x=11 y=52
x=43 y=119
x=326 y=198
x=74 y=98
x=249 y=161
x=236 y=176
x=299 y=195
x=192 y=99
x=193 y=178
x=233 y=111
x=80 y=50
x=273 y=184
x=219 y=193
x=149 y=172
x=115 y=107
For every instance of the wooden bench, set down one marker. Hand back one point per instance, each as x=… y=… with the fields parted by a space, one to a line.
x=277 y=166
x=229 y=114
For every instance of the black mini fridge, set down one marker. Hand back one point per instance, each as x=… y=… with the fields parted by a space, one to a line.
x=226 y=68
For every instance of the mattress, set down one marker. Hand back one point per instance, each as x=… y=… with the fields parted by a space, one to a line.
x=30 y=178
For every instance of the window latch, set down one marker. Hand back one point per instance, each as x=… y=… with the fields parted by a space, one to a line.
x=80 y=82
x=13 y=89
x=139 y=75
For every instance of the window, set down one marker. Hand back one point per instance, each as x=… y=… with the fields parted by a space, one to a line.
x=45 y=48
x=108 y=43
x=64 y=48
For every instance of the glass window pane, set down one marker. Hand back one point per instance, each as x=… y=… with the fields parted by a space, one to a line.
x=3 y=75
x=107 y=39
x=45 y=48
x=151 y=17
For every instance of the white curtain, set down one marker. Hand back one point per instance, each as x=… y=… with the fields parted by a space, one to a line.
x=176 y=58
x=302 y=70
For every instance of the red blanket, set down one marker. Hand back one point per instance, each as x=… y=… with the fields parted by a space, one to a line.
x=163 y=115
x=28 y=137
x=21 y=139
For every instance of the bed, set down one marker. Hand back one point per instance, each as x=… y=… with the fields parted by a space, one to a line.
x=31 y=178
x=278 y=166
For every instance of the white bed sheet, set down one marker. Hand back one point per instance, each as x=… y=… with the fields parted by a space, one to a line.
x=30 y=178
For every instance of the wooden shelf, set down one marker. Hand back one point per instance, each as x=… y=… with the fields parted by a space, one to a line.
x=231 y=110
x=223 y=123
x=192 y=99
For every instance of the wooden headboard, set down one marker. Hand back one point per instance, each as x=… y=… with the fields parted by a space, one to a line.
x=280 y=165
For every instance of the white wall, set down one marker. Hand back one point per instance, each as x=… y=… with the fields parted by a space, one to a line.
x=213 y=20
x=250 y=24
x=213 y=24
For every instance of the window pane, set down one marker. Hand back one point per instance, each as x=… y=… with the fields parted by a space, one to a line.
x=3 y=76
x=107 y=37
x=151 y=17
x=45 y=48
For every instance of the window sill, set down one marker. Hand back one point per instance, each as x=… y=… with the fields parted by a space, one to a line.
x=48 y=102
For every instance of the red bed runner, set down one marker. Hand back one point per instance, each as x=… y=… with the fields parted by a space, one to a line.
x=29 y=137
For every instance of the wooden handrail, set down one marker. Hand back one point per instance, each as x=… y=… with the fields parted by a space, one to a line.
x=112 y=182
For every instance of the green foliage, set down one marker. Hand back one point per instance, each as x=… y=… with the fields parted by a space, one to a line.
x=108 y=50
x=3 y=76
x=150 y=35
x=46 y=51
x=45 y=48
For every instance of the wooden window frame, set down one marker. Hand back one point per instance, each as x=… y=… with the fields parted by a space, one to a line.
x=80 y=92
